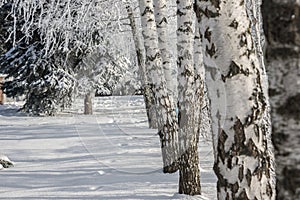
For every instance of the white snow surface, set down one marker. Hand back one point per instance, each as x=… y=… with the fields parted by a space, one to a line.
x=109 y=155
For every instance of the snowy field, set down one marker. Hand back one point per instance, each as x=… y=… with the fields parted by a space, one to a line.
x=109 y=155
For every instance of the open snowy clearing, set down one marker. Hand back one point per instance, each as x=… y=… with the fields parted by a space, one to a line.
x=109 y=155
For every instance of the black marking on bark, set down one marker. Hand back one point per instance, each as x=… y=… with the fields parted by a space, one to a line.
x=248 y=52
x=243 y=195
x=222 y=182
x=146 y=11
x=180 y=13
x=186 y=29
x=216 y=3
x=234 y=69
x=235 y=187
x=267 y=167
x=198 y=12
x=269 y=190
x=234 y=24
x=252 y=150
x=243 y=40
x=179 y=114
x=150 y=20
x=248 y=177
x=201 y=36
x=209 y=13
x=162 y=138
x=241 y=173
x=152 y=58
x=221 y=145
x=229 y=162
x=189 y=7
x=207 y=35
x=212 y=51
x=258 y=172
x=242 y=3
x=258 y=99
x=239 y=136
x=227 y=197
x=187 y=72
x=163 y=20
x=291 y=108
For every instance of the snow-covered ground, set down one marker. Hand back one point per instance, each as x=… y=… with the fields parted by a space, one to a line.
x=109 y=155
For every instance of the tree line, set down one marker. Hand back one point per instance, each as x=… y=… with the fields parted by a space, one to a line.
x=238 y=58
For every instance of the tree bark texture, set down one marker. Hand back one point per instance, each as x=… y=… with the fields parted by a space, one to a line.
x=148 y=95
x=189 y=174
x=161 y=18
x=282 y=29
x=204 y=119
x=167 y=119
x=88 y=105
x=237 y=91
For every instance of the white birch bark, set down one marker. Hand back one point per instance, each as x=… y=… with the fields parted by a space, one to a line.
x=189 y=176
x=243 y=157
x=281 y=22
x=167 y=120
x=202 y=100
x=161 y=18
x=148 y=95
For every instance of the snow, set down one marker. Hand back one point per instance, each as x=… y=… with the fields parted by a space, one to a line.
x=109 y=155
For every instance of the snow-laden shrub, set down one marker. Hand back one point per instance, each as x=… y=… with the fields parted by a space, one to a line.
x=101 y=72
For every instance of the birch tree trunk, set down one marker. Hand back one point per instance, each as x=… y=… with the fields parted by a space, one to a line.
x=189 y=174
x=148 y=95
x=167 y=120
x=282 y=28
x=161 y=18
x=204 y=119
x=243 y=157
x=88 y=105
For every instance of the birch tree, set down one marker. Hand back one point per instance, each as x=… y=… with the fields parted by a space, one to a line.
x=282 y=29
x=161 y=19
x=243 y=149
x=189 y=174
x=147 y=93
x=167 y=120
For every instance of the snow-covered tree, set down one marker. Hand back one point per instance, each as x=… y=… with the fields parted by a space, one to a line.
x=189 y=112
x=46 y=85
x=282 y=29
x=232 y=57
x=140 y=54
x=100 y=72
x=166 y=115
x=66 y=32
